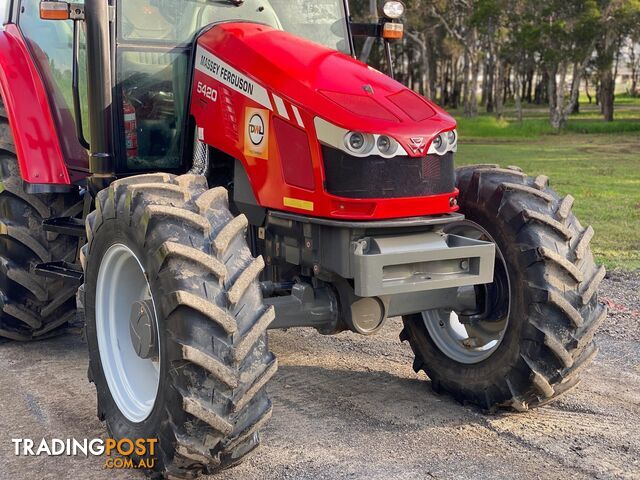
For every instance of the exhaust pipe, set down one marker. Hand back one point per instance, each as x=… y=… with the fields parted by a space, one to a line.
x=101 y=160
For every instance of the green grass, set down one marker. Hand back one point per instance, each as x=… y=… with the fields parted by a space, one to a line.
x=490 y=127
x=536 y=122
x=600 y=169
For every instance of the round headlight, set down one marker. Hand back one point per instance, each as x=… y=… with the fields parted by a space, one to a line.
x=357 y=142
x=439 y=144
x=452 y=137
x=393 y=9
x=387 y=145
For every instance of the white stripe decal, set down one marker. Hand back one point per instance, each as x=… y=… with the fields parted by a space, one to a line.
x=282 y=109
x=224 y=73
x=296 y=112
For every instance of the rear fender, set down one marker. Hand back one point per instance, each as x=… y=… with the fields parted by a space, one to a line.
x=25 y=99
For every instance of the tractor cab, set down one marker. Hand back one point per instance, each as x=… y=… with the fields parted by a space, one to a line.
x=151 y=54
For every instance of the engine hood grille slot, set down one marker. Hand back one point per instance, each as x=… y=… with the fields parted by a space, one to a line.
x=378 y=177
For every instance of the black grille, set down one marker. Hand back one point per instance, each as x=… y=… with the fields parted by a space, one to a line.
x=378 y=177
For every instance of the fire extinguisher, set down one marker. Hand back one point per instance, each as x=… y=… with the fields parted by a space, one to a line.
x=130 y=128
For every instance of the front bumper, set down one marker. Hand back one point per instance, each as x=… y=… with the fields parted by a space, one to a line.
x=406 y=263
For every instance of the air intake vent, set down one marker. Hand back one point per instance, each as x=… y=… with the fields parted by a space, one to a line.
x=377 y=177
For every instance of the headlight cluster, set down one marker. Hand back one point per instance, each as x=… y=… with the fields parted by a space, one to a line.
x=361 y=144
x=358 y=144
x=444 y=143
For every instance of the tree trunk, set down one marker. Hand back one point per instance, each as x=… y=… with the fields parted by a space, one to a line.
x=488 y=83
x=518 y=99
x=574 y=98
x=556 y=95
x=445 y=83
x=529 y=92
x=507 y=90
x=475 y=72
x=607 y=91
x=466 y=76
x=427 y=58
x=634 y=65
x=456 y=85
x=499 y=89
x=542 y=91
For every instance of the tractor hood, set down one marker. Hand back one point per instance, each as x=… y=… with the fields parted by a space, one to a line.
x=275 y=66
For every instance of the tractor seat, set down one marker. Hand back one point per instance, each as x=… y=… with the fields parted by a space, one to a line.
x=156 y=64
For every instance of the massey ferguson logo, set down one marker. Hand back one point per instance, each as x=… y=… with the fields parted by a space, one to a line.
x=417 y=144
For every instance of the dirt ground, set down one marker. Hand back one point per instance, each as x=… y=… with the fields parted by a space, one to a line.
x=351 y=407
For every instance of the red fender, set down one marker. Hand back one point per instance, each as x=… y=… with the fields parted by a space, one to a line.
x=25 y=99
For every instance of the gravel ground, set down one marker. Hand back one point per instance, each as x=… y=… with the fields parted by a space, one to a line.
x=351 y=407
x=621 y=293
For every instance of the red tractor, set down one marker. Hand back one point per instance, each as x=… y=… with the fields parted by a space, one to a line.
x=180 y=176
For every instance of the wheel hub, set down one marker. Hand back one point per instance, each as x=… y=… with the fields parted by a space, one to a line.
x=475 y=330
x=142 y=328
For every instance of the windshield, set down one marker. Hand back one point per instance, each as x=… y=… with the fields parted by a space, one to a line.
x=175 y=22
x=324 y=22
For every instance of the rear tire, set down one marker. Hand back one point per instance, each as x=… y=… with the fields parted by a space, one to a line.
x=31 y=307
x=214 y=359
x=554 y=308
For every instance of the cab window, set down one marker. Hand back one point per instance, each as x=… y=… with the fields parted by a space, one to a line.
x=177 y=22
x=5 y=11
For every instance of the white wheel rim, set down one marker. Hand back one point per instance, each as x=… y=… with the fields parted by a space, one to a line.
x=449 y=334
x=133 y=381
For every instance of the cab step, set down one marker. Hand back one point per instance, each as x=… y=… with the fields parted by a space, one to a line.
x=65 y=225
x=66 y=271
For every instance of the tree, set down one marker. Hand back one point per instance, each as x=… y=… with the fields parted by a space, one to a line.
x=618 y=19
x=456 y=17
x=567 y=33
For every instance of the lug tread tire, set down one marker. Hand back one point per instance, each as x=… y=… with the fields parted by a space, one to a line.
x=548 y=250
x=214 y=314
x=31 y=306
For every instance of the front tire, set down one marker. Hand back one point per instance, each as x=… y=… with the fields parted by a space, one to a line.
x=553 y=306
x=213 y=361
